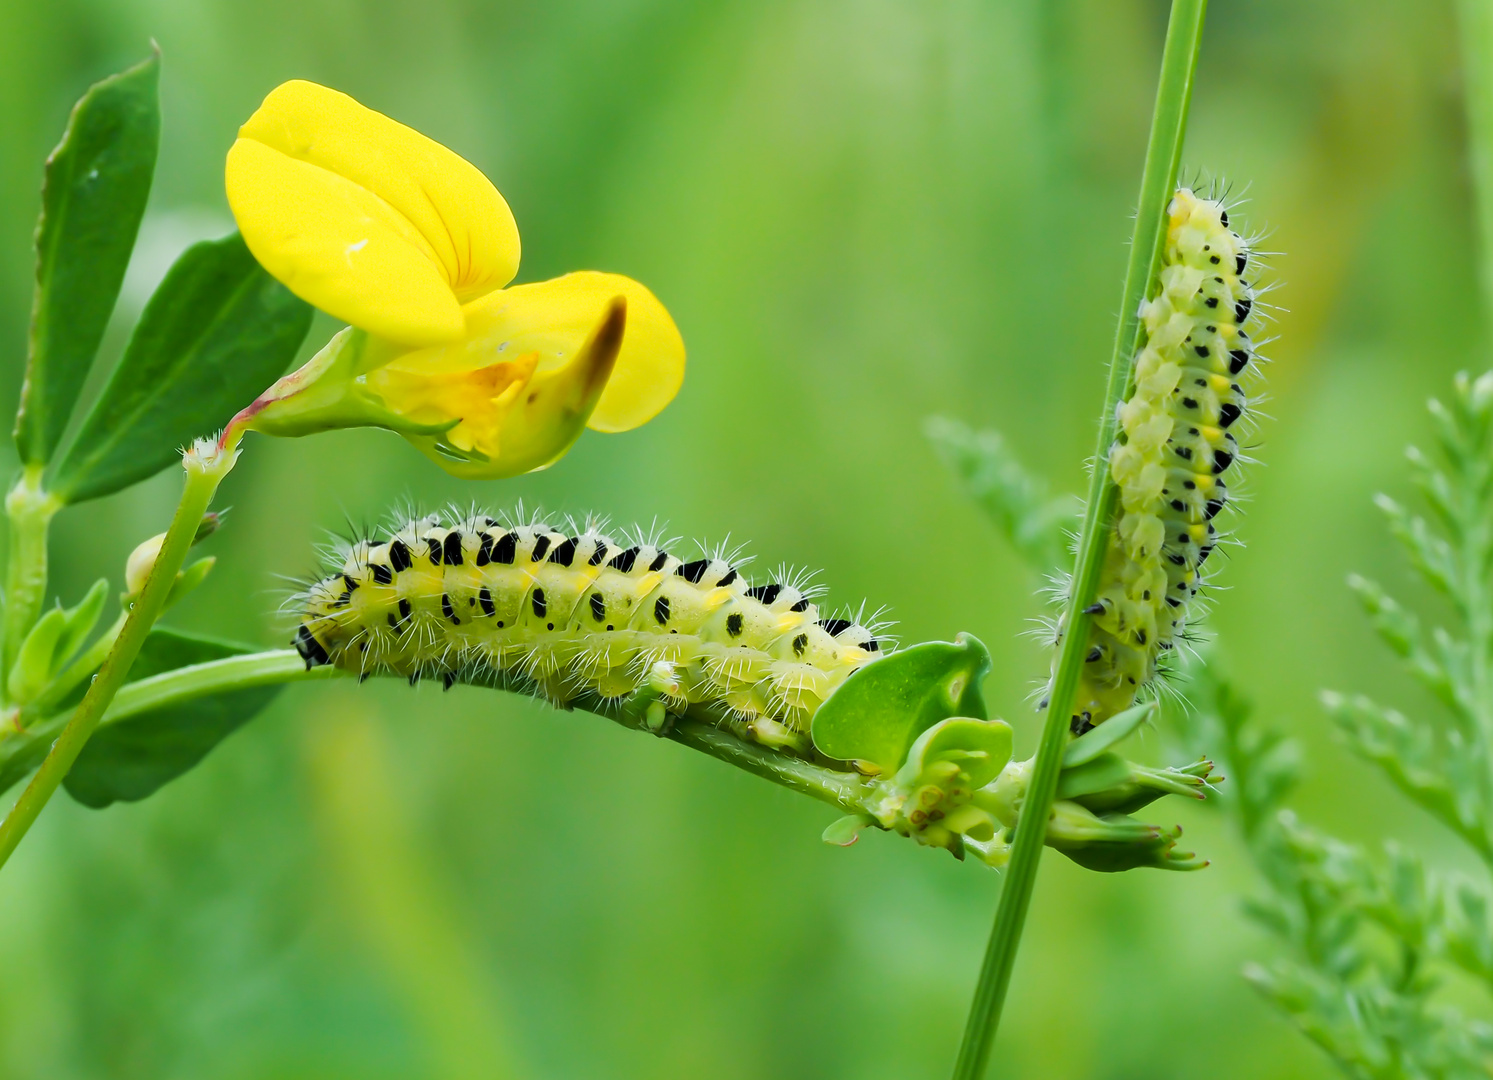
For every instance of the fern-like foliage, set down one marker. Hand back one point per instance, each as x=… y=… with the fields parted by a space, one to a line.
x=1372 y=938
x=1035 y=522
x=1369 y=938
x=1443 y=761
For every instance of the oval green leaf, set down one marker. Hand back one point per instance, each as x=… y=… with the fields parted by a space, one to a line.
x=93 y=196
x=879 y=711
x=127 y=761
x=215 y=334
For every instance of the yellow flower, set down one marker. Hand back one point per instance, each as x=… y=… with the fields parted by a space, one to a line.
x=411 y=245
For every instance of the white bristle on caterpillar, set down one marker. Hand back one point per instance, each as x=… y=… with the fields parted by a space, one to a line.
x=1174 y=447
x=575 y=612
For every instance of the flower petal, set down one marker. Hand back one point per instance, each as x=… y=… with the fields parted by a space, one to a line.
x=530 y=423
x=556 y=317
x=478 y=398
x=339 y=247
x=339 y=202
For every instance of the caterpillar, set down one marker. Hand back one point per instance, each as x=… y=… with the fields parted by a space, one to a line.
x=1175 y=446
x=572 y=612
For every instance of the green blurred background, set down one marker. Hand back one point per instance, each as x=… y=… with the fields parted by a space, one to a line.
x=861 y=212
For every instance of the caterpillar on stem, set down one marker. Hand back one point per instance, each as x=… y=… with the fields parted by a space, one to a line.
x=1177 y=441
x=575 y=611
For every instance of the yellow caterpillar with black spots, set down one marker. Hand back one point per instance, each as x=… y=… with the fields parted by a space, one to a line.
x=573 y=612
x=1175 y=446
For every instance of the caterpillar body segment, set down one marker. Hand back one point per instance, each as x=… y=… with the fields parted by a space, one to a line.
x=579 y=612
x=1177 y=441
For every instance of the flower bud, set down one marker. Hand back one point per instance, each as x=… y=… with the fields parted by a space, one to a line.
x=141 y=562
x=931 y=798
x=1107 y=841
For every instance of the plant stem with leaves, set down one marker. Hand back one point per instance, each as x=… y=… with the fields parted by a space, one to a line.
x=206 y=466
x=1374 y=1010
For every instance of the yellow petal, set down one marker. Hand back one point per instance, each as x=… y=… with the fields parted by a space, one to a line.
x=515 y=422
x=556 y=318
x=365 y=217
x=480 y=397
x=339 y=247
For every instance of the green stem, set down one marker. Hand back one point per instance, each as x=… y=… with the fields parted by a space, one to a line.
x=844 y=790
x=206 y=465
x=1163 y=155
x=703 y=729
x=1476 y=34
x=30 y=509
x=1476 y=19
x=702 y=732
x=176 y=687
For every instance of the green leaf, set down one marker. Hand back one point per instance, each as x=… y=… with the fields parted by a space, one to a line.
x=81 y=620
x=52 y=642
x=129 y=760
x=32 y=670
x=1100 y=738
x=879 y=711
x=93 y=197
x=215 y=334
x=189 y=579
x=1015 y=500
x=1096 y=774
x=842 y=832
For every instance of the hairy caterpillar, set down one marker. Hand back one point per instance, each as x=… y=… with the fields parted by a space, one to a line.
x=1170 y=460
x=576 y=612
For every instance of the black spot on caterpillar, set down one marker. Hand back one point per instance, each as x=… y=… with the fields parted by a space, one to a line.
x=1170 y=457
x=310 y=649
x=564 y=553
x=536 y=601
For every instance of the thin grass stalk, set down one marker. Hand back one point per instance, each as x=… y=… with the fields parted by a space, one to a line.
x=1163 y=157
x=1476 y=19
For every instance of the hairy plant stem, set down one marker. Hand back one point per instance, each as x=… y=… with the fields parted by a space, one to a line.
x=701 y=732
x=1163 y=155
x=206 y=465
x=30 y=510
